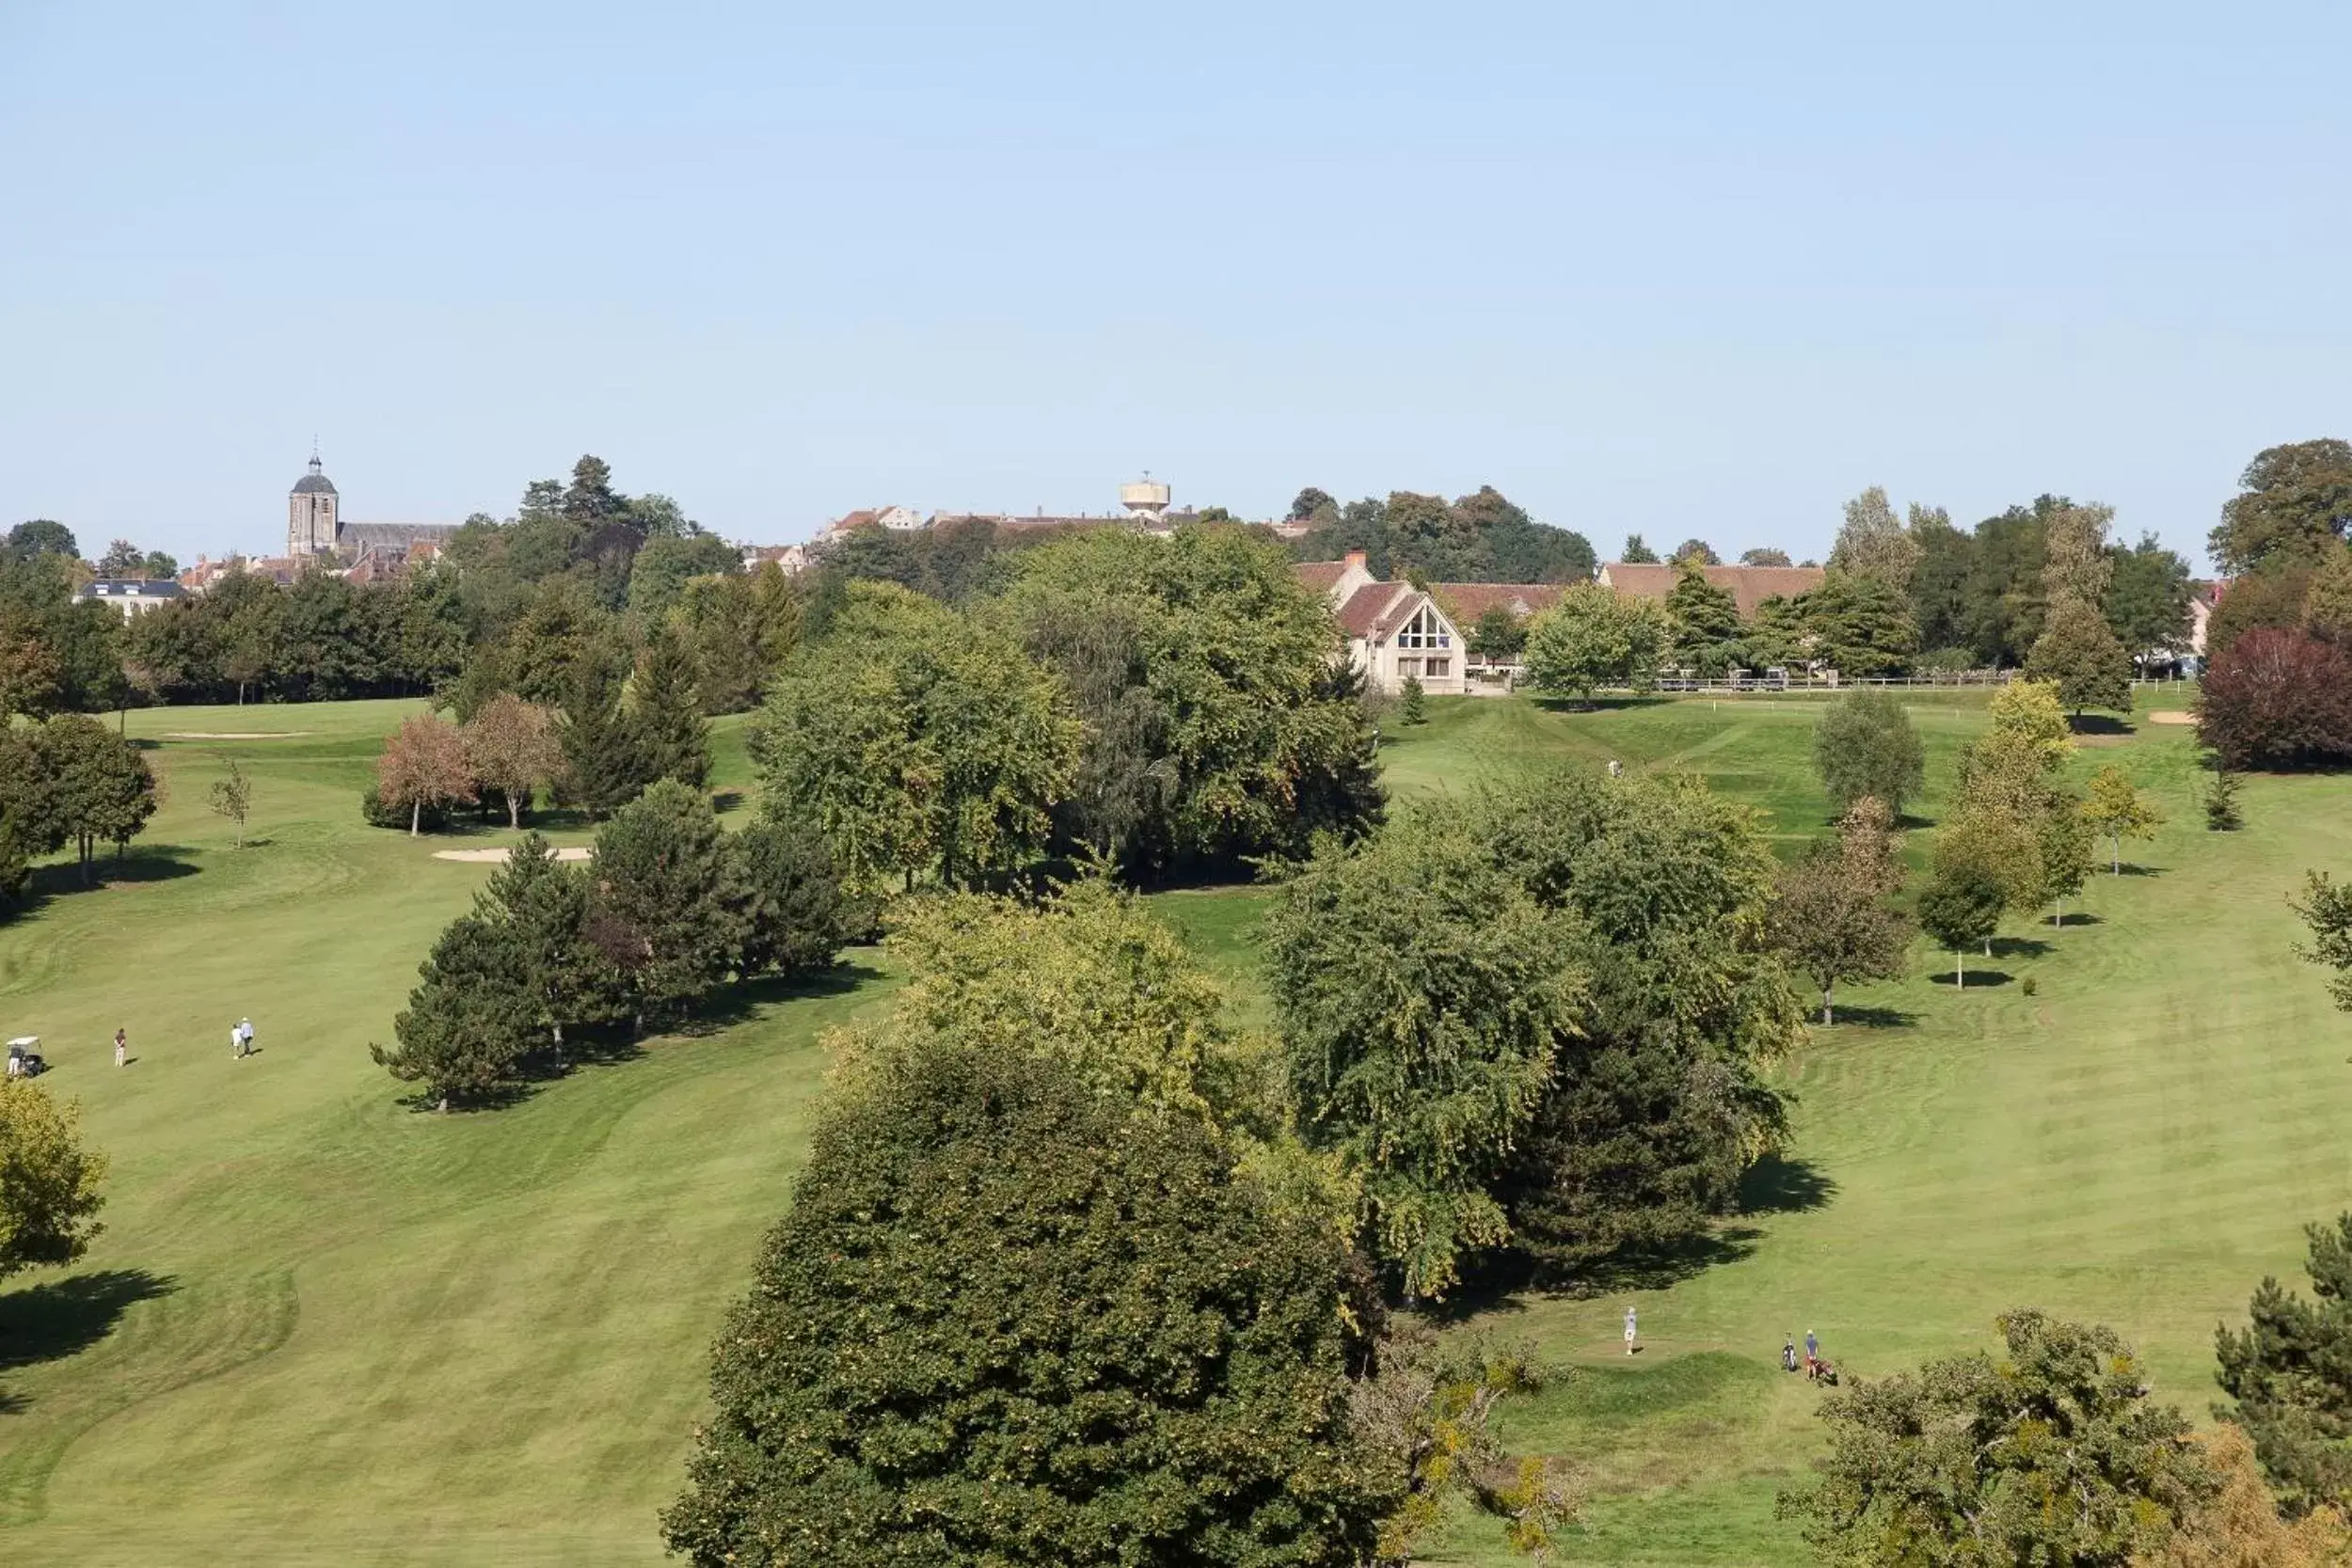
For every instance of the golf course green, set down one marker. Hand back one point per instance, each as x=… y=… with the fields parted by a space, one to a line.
x=322 y=1325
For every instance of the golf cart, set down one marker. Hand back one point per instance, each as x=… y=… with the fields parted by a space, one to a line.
x=24 y=1061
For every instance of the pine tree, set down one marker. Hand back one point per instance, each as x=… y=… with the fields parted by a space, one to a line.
x=791 y=916
x=2222 y=815
x=469 y=1020
x=1413 y=709
x=2290 y=1370
x=659 y=913
x=604 y=757
x=542 y=906
x=668 y=714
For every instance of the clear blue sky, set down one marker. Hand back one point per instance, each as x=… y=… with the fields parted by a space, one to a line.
x=1698 y=269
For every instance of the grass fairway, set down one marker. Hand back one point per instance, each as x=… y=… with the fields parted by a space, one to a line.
x=321 y=1328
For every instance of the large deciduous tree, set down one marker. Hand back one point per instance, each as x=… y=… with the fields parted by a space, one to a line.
x=423 y=765
x=1959 y=908
x=1867 y=747
x=2051 y=1454
x=2147 y=601
x=1830 y=915
x=2278 y=699
x=100 y=789
x=1859 y=624
x=1089 y=976
x=1423 y=997
x=1596 y=637
x=916 y=741
x=2290 y=1370
x=28 y=541
x=1217 y=725
x=1658 y=1100
x=2293 y=502
x=1874 y=544
x=2079 y=653
x=1008 y=1319
x=511 y=747
x=49 y=1180
x=2239 y=1524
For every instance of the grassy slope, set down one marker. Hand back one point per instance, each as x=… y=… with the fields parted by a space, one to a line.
x=347 y=1331
x=333 y=1328
x=2140 y=1142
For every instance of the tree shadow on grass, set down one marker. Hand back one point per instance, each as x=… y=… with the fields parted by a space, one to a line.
x=737 y=1003
x=1984 y=979
x=150 y=862
x=1775 y=1185
x=1872 y=1018
x=2019 y=947
x=2079 y=917
x=1772 y=1186
x=1598 y=704
x=59 y=1317
x=2133 y=870
x=1656 y=1264
x=2101 y=723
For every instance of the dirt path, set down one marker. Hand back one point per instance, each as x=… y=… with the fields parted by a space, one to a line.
x=499 y=857
x=2172 y=716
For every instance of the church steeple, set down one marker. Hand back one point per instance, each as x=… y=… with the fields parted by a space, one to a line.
x=312 y=522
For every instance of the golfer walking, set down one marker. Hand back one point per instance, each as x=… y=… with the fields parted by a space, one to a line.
x=245 y=1036
x=122 y=1045
x=1632 y=1331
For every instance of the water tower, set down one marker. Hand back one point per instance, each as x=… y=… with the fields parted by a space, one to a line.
x=1146 y=499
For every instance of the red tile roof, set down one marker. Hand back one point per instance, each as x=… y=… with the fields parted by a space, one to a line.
x=1319 y=575
x=1377 y=609
x=1465 y=602
x=1750 y=585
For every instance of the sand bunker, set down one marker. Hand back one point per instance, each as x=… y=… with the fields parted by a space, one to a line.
x=2172 y=716
x=499 y=857
x=235 y=735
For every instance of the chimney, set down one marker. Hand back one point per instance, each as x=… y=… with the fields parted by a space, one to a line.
x=1354 y=558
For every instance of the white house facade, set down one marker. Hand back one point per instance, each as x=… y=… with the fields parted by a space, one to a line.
x=1394 y=631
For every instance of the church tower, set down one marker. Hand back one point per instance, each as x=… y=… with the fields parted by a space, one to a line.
x=311 y=524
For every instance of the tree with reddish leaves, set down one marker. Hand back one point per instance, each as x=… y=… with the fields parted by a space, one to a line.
x=2278 y=699
x=424 y=764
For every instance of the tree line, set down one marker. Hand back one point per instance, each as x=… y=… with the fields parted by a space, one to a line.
x=668 y=910
x=68 y=780
x=578 y=566
x=2074 y=607
x=1482 y=537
